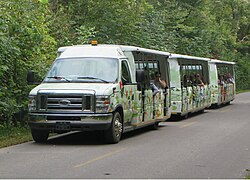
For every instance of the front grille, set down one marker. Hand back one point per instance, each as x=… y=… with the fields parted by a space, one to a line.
x=65 y=102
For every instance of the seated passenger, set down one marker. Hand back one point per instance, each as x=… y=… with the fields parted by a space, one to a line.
x=158 y=83
x=199 y=81
x=221 y=80
x=186 y=81
x=162 y=84
x=230 y=79
x=191 y=80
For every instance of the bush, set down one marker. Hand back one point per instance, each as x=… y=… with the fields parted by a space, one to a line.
x=24 y=44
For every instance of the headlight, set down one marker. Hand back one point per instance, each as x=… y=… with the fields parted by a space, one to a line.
x=102 y=103
x=32 y=103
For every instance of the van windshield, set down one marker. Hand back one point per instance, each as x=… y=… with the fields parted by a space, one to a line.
x=94 y=70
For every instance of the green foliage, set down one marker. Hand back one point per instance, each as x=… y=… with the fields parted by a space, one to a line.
x=44 y=1
x=24 y=44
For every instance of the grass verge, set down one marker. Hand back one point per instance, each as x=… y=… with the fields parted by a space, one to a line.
x=11 y=135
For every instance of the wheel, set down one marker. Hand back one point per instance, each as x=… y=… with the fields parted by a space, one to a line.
x=155 y=126
x=114 y=133
x=39 y=136
x=185 y=116
x=228 y=103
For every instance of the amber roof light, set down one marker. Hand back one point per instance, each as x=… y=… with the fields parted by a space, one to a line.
x=94 y=43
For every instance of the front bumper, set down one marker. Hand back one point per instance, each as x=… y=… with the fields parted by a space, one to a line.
x=70 y=122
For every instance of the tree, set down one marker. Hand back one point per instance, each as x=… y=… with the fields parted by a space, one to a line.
x=24 y=44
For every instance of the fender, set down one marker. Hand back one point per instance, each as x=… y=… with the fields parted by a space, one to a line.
x=119 y=108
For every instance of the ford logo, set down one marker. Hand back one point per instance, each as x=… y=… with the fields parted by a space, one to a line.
x=64 y=102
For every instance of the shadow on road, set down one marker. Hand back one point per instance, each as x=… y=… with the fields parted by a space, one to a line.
x=175 y=118
x=97 y=138
x=91 y=138
x=77 y=138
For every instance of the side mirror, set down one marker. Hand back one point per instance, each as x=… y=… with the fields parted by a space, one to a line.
x=31 y=77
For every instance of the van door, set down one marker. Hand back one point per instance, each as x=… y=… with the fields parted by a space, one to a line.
x=127 y=92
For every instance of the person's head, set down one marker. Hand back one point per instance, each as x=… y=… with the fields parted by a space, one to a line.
x=198 y=76
x=157 y=75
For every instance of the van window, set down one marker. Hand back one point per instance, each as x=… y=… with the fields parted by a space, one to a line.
x=126 y=77
x=84 y=70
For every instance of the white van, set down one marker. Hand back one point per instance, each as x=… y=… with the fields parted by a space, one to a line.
x=98 y=87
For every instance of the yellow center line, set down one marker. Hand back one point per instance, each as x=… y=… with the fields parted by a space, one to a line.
x=188 y=124
x=99 y=158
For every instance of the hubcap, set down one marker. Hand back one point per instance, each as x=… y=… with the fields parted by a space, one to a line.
x=118 y=127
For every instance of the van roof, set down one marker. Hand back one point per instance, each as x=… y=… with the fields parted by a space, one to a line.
x=102 y=50
x=90 y=51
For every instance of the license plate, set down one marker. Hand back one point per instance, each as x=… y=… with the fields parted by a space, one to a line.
x=62 y=125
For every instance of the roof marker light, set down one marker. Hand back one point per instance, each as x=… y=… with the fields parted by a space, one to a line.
x=94 y=43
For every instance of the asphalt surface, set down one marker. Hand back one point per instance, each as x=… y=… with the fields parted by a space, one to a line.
x=213 y=144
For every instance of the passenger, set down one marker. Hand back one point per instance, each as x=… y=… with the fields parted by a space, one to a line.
x=230 y=79
x=191 y=80
x=161 y=84
x=221 y=80
x=158 y=83
x=186 y=81
x=199 y=81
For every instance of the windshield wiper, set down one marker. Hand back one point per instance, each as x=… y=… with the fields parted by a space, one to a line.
x=59 y=78
x=90 y=77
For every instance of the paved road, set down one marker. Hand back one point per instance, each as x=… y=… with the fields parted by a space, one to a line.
x=214 y=144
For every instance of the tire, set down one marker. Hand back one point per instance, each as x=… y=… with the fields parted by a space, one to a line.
x=202 y=111
x=114 y=133
x=40 y=136
x=155 y=126
x=185 y=116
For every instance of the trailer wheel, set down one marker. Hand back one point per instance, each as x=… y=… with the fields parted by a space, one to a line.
x=228 y=103
x=114 y=133
x=40 y=136
x=185 y=116
x=155 y=126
